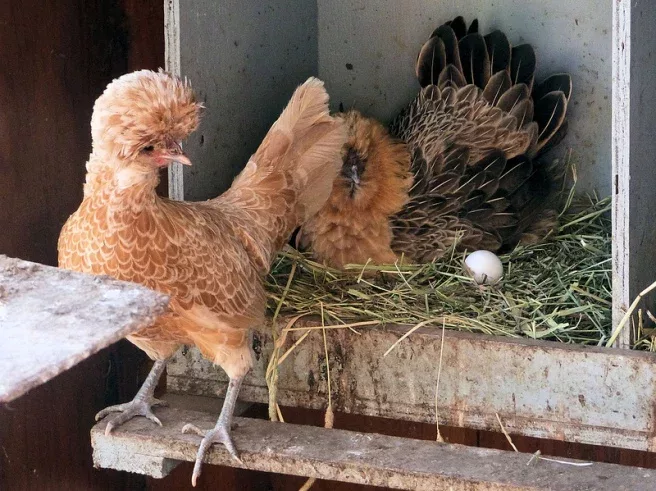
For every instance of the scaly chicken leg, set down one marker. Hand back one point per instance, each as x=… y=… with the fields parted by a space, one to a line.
x=221 y=432
x=142 y=403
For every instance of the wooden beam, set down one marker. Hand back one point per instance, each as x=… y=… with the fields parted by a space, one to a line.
x=633 y=150
x=598 y=396
x=399 y=463
x=51 y=319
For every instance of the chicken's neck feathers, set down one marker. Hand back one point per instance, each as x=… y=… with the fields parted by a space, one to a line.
x=121 y=183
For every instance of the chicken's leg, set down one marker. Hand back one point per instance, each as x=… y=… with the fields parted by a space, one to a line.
x=141 y=404
x=221 y=432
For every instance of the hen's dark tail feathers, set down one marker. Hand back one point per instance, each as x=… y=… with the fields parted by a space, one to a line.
x=455 y=56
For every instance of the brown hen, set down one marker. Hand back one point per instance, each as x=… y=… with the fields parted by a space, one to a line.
x=210 y=257
x=475 y=134
x=353 y=227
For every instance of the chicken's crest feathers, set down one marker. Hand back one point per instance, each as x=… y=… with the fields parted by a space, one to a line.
x=353 y=225
x=140 y=108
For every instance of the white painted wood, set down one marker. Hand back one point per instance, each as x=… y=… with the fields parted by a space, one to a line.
x=172 y=60
x=51 y=319
x=634 y=151
x=621 y=152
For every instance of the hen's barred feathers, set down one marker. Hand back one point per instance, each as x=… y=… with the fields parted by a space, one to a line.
x=476 y=132
x=474 y=136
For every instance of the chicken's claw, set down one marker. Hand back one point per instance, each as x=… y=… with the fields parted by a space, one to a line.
x=218 y=434
x=128 y=410
x=141 y=404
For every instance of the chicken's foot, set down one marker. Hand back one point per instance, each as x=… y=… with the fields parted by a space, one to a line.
x=142 y=403
x=221 y=432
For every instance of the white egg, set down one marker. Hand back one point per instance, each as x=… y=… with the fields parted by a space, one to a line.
x=485 y=267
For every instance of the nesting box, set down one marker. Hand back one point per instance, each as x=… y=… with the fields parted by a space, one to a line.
x=245 y=59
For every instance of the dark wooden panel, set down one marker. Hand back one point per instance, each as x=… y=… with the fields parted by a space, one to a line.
x=57 y=58
x=44 y=435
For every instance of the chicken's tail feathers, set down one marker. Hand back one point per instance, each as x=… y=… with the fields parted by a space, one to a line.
x=290 y=176
x=314 y=155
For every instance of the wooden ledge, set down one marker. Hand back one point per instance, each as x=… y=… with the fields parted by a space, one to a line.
x=400 y=463
x=51 y=319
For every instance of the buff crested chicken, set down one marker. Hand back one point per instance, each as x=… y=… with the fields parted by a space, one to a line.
x=209 y=257
x=474 y=134
x=353 y=226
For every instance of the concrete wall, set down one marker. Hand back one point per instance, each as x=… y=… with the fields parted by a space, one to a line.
x=244 y=60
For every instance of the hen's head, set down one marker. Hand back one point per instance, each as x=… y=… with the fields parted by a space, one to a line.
x=375 y=168
x=142 y=118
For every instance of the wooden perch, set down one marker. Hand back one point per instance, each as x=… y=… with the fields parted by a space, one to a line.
x=400 y=463
x=51 y=319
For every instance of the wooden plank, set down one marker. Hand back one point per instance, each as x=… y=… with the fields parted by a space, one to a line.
x=547 y=390
x=172 y=63
x=56 y=61
x=633 y=150
x=398 y=463
x=52 y=319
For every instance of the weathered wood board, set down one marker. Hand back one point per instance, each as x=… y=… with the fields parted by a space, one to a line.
x=399 y=463
x=51 y=319
x=633 y=150
x=599 y=396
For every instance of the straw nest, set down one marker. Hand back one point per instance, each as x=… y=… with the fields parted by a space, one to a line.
x=558 y=290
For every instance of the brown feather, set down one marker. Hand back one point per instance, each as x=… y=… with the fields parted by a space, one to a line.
x=522 y=65
x=431 y=61
x=353 y=226
x=475 y=60
x=498 y=49
x=209 y=257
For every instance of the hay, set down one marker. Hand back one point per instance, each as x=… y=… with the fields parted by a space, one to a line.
x=558 y=290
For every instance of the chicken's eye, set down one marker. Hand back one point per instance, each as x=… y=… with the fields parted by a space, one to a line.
x=149 y=148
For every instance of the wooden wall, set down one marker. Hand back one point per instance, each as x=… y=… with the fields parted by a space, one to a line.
x=57 y=58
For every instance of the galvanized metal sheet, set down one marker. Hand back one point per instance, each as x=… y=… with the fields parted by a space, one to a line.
x=540 y=389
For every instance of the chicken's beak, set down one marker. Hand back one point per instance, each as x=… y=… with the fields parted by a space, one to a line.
x=180 y=158
x=173 y=154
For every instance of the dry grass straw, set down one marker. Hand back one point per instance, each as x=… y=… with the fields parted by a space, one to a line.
x=329 y=418
x=538 y=455
x=558 y=290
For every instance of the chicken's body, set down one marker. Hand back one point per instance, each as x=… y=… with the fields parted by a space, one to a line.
x=353 y=227
x=210 y=257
